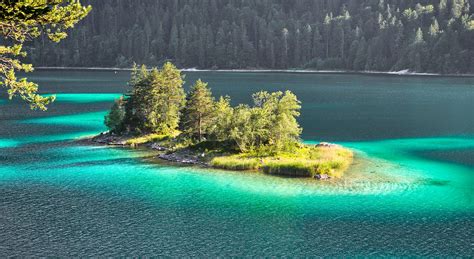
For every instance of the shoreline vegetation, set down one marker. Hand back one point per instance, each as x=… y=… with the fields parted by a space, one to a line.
x=321 y=161
x=196 y=129
x=264 y=70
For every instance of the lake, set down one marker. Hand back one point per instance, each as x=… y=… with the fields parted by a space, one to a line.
x=410 y=191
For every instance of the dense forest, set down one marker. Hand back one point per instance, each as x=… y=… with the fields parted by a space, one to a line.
x=383 y=35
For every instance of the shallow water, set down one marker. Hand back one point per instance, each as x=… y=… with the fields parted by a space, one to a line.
x=410 y=191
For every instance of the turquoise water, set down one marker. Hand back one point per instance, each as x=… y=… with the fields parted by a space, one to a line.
x=86 y=97
x=409 y=193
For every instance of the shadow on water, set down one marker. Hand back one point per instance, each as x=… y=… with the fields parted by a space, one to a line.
x=407 y=193
x=456 y=156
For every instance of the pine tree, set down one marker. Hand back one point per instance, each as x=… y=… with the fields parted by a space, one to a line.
x=167 y=98
x=240 y=34
x=222 y=122
x=115 y=118
x=154 y=103
x=434 y=28
x=198 y=114
x=136 y=102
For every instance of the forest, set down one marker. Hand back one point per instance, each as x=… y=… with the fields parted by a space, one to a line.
x=355 y=35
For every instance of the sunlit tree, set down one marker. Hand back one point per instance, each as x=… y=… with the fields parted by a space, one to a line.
x=23 y=20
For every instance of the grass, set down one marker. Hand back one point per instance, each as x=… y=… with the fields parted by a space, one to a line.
x=235 y=163
x=301 y=161
x=305 y=161
x=147 y=138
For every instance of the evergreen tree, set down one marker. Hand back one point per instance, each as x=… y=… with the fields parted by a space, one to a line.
x=115 y=118
x=223 y=117
x=316 y=34
x=155 y=100
x=198 y=114
x=165 y=99
x=136 y=102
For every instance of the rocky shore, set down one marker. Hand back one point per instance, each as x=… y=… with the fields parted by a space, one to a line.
x=183 y=156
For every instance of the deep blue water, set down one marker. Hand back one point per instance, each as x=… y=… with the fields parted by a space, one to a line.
x=409 y=193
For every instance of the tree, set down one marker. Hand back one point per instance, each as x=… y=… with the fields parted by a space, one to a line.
x=165 y=99
x=264 y=34
x=136 y=103
x=21 y=21
x=286 y=130
x=199 y=111
x=285 y=48
x=241 y=132
x=115 y=118
x=155 y=100
x=434 y=28
x=270 y=123
x=417 y=51
x=327 y=27
x=361 y=55
x=277 y=119
x=223 y=116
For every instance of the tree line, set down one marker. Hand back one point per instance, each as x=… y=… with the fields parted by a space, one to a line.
x=422 y=36
x=157 y=103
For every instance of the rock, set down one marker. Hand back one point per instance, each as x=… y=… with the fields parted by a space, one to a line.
x=322 y=177
x=156 y=146
x=181 y=158
x=326 y=144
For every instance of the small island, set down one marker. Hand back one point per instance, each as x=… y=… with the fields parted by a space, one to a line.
x=194 y=128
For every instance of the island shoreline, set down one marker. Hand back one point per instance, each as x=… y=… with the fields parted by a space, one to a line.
x=189 y=158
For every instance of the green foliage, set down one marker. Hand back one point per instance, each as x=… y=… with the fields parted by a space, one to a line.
x=271 y=121
x=155 y=100
x=115 y=118
x=263 y=136
x=25 y=20
x=198 y=114
x=223 y=118
x=270 y=34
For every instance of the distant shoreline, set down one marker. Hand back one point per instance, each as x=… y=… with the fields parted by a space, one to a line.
x=308 y=71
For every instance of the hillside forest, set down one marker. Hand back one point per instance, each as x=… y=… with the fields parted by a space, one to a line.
x=357 y=35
